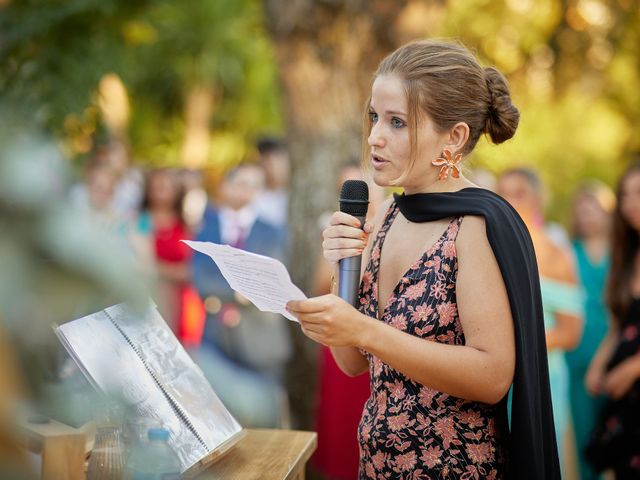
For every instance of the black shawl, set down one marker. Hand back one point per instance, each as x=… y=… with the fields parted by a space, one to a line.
x=531 y=446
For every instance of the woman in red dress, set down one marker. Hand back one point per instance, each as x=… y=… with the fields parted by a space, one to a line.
x=162 y=219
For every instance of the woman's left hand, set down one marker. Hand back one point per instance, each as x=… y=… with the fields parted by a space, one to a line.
x=330 y=320
x=619 y=380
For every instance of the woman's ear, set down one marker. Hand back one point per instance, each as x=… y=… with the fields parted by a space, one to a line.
x=458 y=137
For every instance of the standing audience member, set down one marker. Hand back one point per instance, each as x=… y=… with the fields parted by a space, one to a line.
x=273 y=201
x=128 y=181
x=591 y=221
x=195 y=197
x=243 y=350
x=162 y=219
x=561 y=297
x=615 y=369
x=94 y=196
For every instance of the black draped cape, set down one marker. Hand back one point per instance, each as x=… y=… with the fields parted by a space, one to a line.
x=531 y=444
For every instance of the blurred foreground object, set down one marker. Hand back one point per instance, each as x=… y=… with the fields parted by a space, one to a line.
x=56 y=265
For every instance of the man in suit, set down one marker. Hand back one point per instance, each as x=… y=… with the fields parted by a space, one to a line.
x=243 y=350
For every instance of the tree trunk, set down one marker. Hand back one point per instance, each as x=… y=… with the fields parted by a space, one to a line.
x=198 y=110
x=326 y=52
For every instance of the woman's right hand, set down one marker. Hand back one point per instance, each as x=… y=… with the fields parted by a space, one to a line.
x=344 y=238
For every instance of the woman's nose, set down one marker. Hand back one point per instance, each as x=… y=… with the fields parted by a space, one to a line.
x=375 y=138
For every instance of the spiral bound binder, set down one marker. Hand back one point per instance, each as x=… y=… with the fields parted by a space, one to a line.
x=132 y=355
x=182 y=416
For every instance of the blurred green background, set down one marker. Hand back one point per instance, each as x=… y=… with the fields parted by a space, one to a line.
x=193 y=83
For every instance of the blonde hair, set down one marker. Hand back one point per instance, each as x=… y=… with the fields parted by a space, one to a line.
x=445 y=81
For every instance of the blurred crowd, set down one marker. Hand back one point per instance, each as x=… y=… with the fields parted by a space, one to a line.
x=148 y=213
x=589 y=281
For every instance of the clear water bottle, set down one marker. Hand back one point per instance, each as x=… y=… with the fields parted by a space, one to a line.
x=154 y=460
x=107 y=460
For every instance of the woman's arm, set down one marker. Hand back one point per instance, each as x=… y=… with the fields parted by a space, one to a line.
x=350 y=359
x=567 y=331
x=178 y=272
x=595 y=374
x=481 y=370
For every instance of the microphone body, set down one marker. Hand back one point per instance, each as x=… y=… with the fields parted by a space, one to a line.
x=354 y=200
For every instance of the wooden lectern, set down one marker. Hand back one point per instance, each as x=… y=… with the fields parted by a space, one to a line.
x=265 y=455
x=257 y=455
x=62 y=448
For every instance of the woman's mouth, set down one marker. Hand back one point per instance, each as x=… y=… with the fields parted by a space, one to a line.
x=378 y=162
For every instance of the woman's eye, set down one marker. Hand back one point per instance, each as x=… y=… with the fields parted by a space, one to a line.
x=397 y=123
x=373 y=117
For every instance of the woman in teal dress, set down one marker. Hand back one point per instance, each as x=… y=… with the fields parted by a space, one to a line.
x=559 y=299
x=592 y=207
x=561 y=295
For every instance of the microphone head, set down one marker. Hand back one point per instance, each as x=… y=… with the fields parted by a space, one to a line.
x=354 y=198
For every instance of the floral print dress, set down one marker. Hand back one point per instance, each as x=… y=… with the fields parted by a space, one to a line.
x=410 y=431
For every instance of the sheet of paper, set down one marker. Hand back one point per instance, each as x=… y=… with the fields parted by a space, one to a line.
x=262 y=280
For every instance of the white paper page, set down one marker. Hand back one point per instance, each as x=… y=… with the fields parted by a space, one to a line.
x=263 y=280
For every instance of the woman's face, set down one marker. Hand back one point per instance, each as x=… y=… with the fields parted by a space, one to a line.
x=101 y=186
x=590 y=218
x=519 y=192
x=389 y=138
x=162 y=190
x=630 y=200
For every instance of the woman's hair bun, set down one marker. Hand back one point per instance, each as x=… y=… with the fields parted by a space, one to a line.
x=503 y=116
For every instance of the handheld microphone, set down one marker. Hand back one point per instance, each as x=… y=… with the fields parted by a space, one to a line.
x=354 y=200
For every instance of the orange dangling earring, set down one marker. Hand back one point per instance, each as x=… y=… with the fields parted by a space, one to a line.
x=447 y=164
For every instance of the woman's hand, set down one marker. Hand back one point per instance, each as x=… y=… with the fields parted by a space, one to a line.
x=619 y=380
x=344 y=237
x=330 y=320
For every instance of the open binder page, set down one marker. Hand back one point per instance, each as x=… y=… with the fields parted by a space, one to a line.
x=265 y=281
x=134 y=356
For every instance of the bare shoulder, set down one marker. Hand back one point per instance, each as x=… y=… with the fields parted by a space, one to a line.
x=473 y=234
x=472 y=245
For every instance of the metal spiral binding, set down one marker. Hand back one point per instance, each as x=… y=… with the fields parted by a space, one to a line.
x=172 y=402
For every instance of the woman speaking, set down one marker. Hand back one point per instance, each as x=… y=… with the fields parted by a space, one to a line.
x=450 y=315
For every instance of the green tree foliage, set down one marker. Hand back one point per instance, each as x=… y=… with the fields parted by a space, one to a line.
x=54 y=53
x=574 y=67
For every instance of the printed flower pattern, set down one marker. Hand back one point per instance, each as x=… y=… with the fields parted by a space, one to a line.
x=410 y=431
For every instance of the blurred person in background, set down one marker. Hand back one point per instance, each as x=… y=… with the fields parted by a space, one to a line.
x=615 y=369
x=162 y=219
x=195 y=197
x=340 y=398
x=561 y=295
x=593 y=205
x=94 y=196
x=128 y=181
x=243 y=350
x=273 y=202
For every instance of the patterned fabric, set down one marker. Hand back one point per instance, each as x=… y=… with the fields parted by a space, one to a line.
x=410 y=431
x=615 y=442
